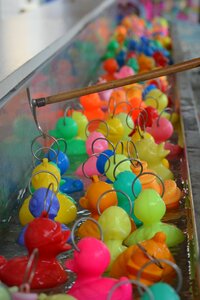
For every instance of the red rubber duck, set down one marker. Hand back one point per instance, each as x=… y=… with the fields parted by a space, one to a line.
x=47 y=236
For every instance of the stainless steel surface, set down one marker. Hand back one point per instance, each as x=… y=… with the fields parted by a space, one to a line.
x=31 y=38
x=73 y=66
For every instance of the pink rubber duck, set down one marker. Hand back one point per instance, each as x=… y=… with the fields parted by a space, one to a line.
x=89 y=264
x=98 y=147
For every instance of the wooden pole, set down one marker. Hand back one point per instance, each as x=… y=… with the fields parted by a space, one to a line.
x=179 y=67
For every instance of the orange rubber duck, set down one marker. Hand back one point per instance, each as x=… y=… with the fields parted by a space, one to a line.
x=131 y=261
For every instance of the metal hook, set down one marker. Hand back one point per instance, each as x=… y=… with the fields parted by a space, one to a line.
x=74 y=228
x=131 y=161
x=170 y=263
x=51 y=199
x=96 y=120
x=135 y=282
x=57 y=142
x=154 y=98
x=40 y=159
x=30 y=271
x=164 y=110
x=44 y=137
x=114 y=191
x=115 y=149
x=143 y=123
x=104 y=139
x=148 y=173
x=122 y=102
x=39 y=172
x=134 y=146
x=33 y=107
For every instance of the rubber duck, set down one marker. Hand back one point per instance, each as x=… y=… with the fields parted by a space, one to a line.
x=62 y=208
x=46 y=236
x=127 y=123
x=89 y=263
x=146 y=63
x=92 y=105
x=5 y=294
x=164 y=289
x=45 y=174
x=150 y=208
x=123 y=182
x=89 y=202
x=114 y=161
x=110 y=65
x=95 y=143
x=66 y=128
x=60 y=159
x=161 y=129
x=154 y=154
x=172 y=193
x=116 y=97
x=116 y=227
x=161 y=100
x=132 y=260
x=82 y=121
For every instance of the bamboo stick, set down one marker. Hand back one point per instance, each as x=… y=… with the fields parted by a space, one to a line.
x=179 y=67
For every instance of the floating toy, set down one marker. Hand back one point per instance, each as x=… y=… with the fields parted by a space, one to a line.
x=130 y=262
x=67 y=129
x=81 y=121
x=45 y=174
x=71 y=185
x=150 y=208
x=156 y=99
x=90 y=261
x=46 y=236
x=92 y=105
x=123 y=182
x=5 y=294
x=110 y=65
x=161 y=130
x=154 y=154
x=116 y=227
x=92 y=194
x=162 y=288
x=111 y=164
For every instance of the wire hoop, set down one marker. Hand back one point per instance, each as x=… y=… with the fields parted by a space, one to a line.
x=135 y=282
x=40 y=172
x=148 y=173
x=96 y=120
x=51 y=199
x=44 y=137
x=170 y=263
x=131 y=161
x=114 y=191
x=167 y=109
x=118 y=104
x=30 y=271
x=95 y=155
x=103 y=139
x=128 y=150
x=57 y=144
x=75 y=226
